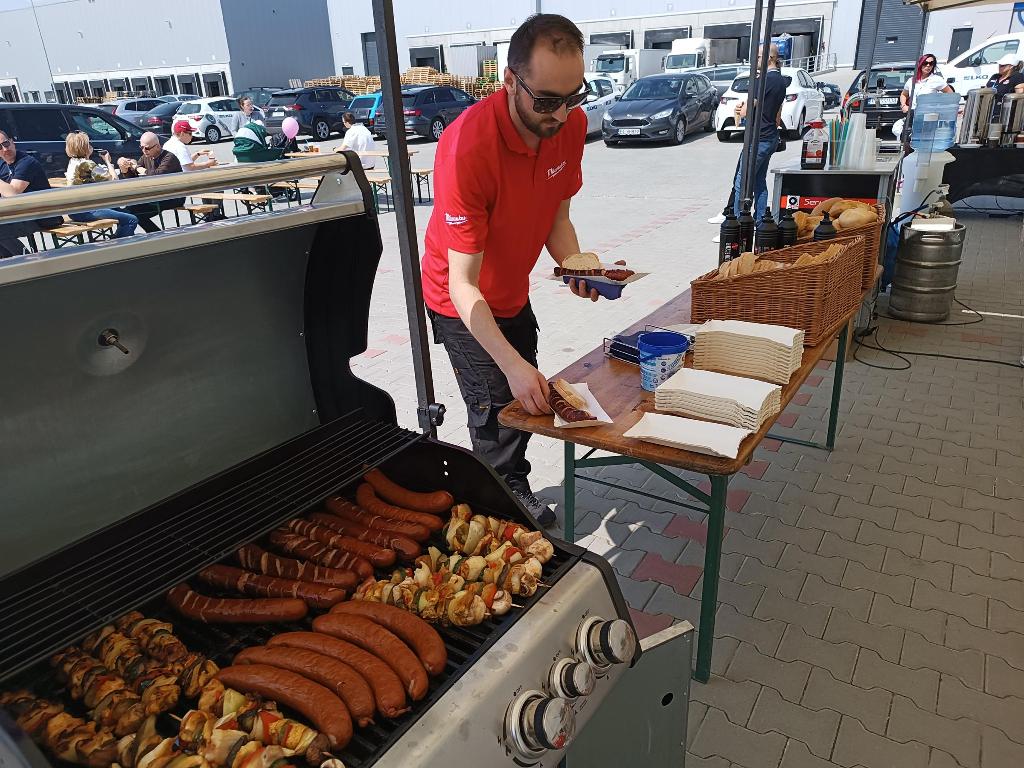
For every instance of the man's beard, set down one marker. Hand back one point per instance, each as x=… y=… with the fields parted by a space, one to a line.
x=543 y=126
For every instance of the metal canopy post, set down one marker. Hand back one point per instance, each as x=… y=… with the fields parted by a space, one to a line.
x=430 y=414
x=755 y=33
x=871 y=57
x=754 y=124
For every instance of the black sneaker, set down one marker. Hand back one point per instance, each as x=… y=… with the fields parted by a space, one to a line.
x=541 y=511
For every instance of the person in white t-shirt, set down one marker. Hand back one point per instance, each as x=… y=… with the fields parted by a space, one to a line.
x=359 y=139
x=925 y=80
x=177 y=145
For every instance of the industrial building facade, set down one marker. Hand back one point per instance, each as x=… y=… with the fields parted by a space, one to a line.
x=64 y=50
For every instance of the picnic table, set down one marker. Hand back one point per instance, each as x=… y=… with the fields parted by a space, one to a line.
x=616 y=385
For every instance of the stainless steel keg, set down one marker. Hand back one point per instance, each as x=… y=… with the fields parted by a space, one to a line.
x=927 y=264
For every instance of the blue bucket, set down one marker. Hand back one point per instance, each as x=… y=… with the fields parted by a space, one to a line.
x=661 y=355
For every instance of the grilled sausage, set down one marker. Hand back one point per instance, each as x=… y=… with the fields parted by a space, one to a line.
x=417 y=633
x=346 y=509
x=331 y=673
x=384 y=644
x=388 y=691
x=308 y=549
x=367 y=499
x=311 y=700
x=258 y=559
x=249 y=583
x=437 y=503
x=222 y=610
x=378 y=556
x=403 y=546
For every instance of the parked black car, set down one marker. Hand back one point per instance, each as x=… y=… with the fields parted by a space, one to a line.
x=160 y=119
x=318 y=110
x=428 y=109
x=260 y=94
x=40 y=130
x=661 y=108
x=882 y=95
x=831 y=93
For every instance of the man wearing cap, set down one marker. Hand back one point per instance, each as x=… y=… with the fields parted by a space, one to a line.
x=1007 y=80
x=177 y=146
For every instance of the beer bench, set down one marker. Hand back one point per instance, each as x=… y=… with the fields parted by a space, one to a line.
x=78 y=233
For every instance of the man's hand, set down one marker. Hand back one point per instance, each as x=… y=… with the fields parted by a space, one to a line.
x=529 y=387
x=579 y=287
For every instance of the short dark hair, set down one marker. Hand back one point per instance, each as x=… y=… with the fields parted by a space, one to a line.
x=349 y=118
x=557 y=31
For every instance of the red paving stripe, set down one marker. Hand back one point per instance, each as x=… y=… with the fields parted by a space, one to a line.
x=734 y=500
x=396 y=338
x=685 y=528
x=813 y=381
x=802 y=398
x=372 y=353
x=786 y=420
x=771 y=445
x=755 y=469
x=682 y=578
x=648 y=624
x=979 y=339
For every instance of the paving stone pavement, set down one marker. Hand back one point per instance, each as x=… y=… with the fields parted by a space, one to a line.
x=872 y=599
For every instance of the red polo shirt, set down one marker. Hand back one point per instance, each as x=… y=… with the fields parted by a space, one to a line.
x=495 y=195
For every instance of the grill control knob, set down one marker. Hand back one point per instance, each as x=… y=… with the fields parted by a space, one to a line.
x=604 y=643
x=536 y=723
x=571 y=679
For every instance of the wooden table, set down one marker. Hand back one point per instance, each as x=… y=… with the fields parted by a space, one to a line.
x=381 y=153
x=301 y=154
x=616 y=385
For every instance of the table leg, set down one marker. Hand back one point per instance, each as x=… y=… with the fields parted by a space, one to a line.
x=837 y=388
x=712 y=566
x=569 y=485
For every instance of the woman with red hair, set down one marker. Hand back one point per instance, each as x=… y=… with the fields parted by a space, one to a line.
x=925 y=80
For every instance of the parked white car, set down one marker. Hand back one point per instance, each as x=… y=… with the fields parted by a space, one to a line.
x=803 y=104
x=973 y=67
x=213 y=118
x=602 y=91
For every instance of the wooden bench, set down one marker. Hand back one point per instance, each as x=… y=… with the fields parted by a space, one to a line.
x=197 y=212
x=380 y=184
x=422 y=177
x=76 y=233
x=251 y=201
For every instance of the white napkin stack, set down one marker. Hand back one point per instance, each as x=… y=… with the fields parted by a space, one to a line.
x=689 y=434
x=732 y=400
x=769 y=352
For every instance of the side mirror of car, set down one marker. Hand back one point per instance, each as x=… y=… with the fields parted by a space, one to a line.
x=616 y=97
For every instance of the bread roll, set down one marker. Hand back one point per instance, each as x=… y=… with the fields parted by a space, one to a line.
x=857 y=217
x=825 y=205
x=581 y=261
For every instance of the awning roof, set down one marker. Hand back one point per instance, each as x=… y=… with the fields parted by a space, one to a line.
x=937 y=5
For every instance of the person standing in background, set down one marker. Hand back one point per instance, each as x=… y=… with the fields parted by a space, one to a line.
x=253 y=114
x=1007 y=80
x=359 y=139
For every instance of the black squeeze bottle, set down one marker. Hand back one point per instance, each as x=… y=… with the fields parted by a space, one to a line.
x=788 y=229
x=746 y=229
x=767 y=236
x=729 y=238
x=825 y=230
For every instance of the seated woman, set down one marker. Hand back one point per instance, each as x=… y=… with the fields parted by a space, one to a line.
x=82 y=170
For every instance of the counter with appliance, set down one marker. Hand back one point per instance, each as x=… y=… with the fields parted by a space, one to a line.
x=796 y=188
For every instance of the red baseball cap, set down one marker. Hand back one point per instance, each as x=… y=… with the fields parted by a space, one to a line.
x=181 y=126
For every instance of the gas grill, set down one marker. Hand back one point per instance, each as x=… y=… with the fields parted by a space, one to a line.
x=169 y=398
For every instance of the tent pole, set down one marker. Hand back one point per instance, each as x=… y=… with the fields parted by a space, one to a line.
x=751 y=158
x=430 y=414
x=871 y=55
x=751 y=129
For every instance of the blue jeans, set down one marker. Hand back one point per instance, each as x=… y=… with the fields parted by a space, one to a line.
x=126 y=222
x=765 y=148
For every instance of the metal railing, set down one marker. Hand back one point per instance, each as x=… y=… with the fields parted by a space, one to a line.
x=822 y=62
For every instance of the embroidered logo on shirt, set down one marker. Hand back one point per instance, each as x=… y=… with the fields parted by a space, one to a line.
x=456 y=221
x=552 y=172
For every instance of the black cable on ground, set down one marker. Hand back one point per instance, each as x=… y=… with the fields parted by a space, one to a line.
x=901 y=354
x=980 y=318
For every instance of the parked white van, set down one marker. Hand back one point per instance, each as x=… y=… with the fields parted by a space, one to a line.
x=973 y=67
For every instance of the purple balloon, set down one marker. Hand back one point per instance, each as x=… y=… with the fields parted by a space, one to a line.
x=290 y=127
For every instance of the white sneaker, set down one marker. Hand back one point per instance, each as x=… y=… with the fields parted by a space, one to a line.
x=716 y=219
x=716 y=238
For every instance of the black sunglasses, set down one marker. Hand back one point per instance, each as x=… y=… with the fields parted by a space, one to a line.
x=927 y=63
x=545 y=105
x=5 y=144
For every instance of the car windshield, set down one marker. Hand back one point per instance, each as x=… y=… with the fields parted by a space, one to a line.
x=614 y=64
x=188 y=108
x=660 y=88
x=893 y=79
x=281 y=99
x=168 y=108
x=362 y=102
x=681 y=61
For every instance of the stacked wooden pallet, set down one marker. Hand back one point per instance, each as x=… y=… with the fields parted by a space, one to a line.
x=490 y=67
x=420 y=76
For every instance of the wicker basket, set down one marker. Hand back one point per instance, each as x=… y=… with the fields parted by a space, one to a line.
x=812 y=298
x=872 y=234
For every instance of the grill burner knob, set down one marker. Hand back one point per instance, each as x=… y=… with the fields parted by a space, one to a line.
x=571 y=679
x=536 y=723
x=604 y=643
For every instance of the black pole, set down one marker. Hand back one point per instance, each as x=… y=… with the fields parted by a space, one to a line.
x=751 y=156
x=428 y=412
x=871 y=56
x=751 y=129
x=905 y=133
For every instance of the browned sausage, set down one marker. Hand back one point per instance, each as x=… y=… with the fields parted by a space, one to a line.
x=331 y=673
x=437 y=503
x=311 y=700
x=249 y=583
x=372 y=637
x=222 y=610
x=419 y=635
x=387 y=687
x=378 y=556
x=308 y=549
x=344 y=508
x=403 y=546
x=367 y=499
x=258 y=559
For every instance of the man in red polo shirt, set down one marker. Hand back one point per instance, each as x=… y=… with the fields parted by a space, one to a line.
x=505 y=173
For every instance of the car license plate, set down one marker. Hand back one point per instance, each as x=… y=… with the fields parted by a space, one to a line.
x=629 y=131
x=888 y=101
x=279 y=114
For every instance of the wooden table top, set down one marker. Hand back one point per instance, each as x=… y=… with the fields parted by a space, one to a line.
x=616 y=385
x=301 y=154
x=379 y=152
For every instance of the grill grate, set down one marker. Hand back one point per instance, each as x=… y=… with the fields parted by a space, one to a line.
x=47 y=606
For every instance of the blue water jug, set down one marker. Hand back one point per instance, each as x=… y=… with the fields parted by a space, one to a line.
x=939 y=133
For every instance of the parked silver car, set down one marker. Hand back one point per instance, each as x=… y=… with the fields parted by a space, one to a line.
x=130 y=109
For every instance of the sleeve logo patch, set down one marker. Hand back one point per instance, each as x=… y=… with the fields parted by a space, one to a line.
x=454 y=221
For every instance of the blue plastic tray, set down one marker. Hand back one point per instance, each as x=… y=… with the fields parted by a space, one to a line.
x=610 y=291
